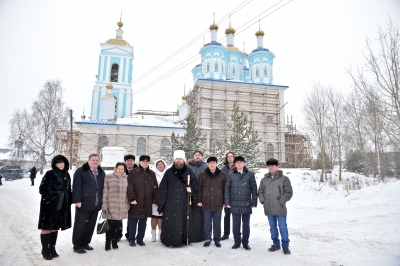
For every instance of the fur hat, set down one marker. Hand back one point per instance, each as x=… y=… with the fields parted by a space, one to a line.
x=129 y=156
x=272 y=162
x=144 y=157
x=179 y=154
x=212 y=159
x=239 y=159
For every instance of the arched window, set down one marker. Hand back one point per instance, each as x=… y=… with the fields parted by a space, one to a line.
x=216 y=66
x=270 y=150
x=217 y=115
x=233 y=70
x=257 y=72
x=103 y=142
x=208 y=67
x=265 y=71
x=141 y=147
x=270 y=119
x=114 y=73
x=164 y=149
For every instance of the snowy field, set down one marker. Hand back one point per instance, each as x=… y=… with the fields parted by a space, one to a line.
x=326 y=227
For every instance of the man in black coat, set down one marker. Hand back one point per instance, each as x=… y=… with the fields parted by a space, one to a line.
x=241 y=198
x=87 y=194
x=33 y=175
x=173 y=201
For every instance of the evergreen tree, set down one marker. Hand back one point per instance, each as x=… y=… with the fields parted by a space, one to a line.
x=355 y=161
x=244 y=140
x=192 y=140
x=328 y=161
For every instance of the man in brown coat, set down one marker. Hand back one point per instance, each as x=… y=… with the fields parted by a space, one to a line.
x=211 y=199
x=142 y=189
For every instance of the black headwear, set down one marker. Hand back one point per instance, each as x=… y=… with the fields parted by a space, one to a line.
x=144 y=157
x=272 y=162
x=212 y=159
x=239 y=159
x=129 y=156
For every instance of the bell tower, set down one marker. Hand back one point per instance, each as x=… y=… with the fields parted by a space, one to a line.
x=114 y=69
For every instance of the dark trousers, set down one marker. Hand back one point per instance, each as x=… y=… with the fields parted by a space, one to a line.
x=237 y=219
x=212 y=222
x=32 y=181
x=140 y=224
x=227 y=221
x=115 y=230
x=85 y=222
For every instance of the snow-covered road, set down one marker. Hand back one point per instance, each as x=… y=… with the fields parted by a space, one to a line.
x=325 y=228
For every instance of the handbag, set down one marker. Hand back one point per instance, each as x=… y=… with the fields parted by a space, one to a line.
x=103 y=227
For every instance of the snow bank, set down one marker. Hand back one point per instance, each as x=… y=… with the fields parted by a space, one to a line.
x=326 y=227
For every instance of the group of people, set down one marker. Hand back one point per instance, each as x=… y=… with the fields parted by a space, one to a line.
x=184 y=201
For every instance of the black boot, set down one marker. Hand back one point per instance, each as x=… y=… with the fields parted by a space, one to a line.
x=53 y=244
x=46 y=240
x=108 y=240
x=114 y=243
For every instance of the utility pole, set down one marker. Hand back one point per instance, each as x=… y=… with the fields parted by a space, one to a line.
x=70 y=144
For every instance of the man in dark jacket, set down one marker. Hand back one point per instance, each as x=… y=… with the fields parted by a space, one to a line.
x=33 y=175
x=228 y=166
x=275 y=190
x=197 y=165
x=129 y=160
x=211 y=199
x=87 y=194
x=241 y=198
x=142 y=190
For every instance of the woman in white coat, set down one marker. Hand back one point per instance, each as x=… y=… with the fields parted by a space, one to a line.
x=156 y=218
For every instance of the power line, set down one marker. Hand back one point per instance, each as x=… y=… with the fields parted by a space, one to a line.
x=188 y=61
x=235 y=10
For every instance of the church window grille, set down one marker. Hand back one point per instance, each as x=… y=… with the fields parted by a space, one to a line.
x=233 y=70
x=141 y=147
x=208 y=67
x=257 y=72
x=222 y=68
x=265 y=71
x=216 y=66
x=270 y=150
x=270 y=119
x=114 y=73
x=164 y=149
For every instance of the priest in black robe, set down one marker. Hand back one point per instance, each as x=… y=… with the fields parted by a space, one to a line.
x=173 y=199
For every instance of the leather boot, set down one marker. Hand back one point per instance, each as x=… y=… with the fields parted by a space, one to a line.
x=108 y=240
x=153 y=235
x=53 y=242
x=46 y=252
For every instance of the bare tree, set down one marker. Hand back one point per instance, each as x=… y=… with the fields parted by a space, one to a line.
x=315 y=109
x=38 y=128
x=337 y=122
x=381 y=73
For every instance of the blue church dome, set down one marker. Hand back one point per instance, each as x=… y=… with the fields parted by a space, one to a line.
x=260 y=49
x=212 y=43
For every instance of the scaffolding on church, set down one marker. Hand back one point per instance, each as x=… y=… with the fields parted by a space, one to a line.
x=64 y=144
x=298 y=148
x=211 y=103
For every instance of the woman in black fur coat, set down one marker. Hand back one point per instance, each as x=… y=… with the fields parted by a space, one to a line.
x=55 y=205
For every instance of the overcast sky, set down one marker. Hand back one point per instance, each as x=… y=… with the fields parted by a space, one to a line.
x=313 y=41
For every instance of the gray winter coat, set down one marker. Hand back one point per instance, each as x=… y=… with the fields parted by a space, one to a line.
x=274 y=193
x=197 y=167
x=241 y=191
